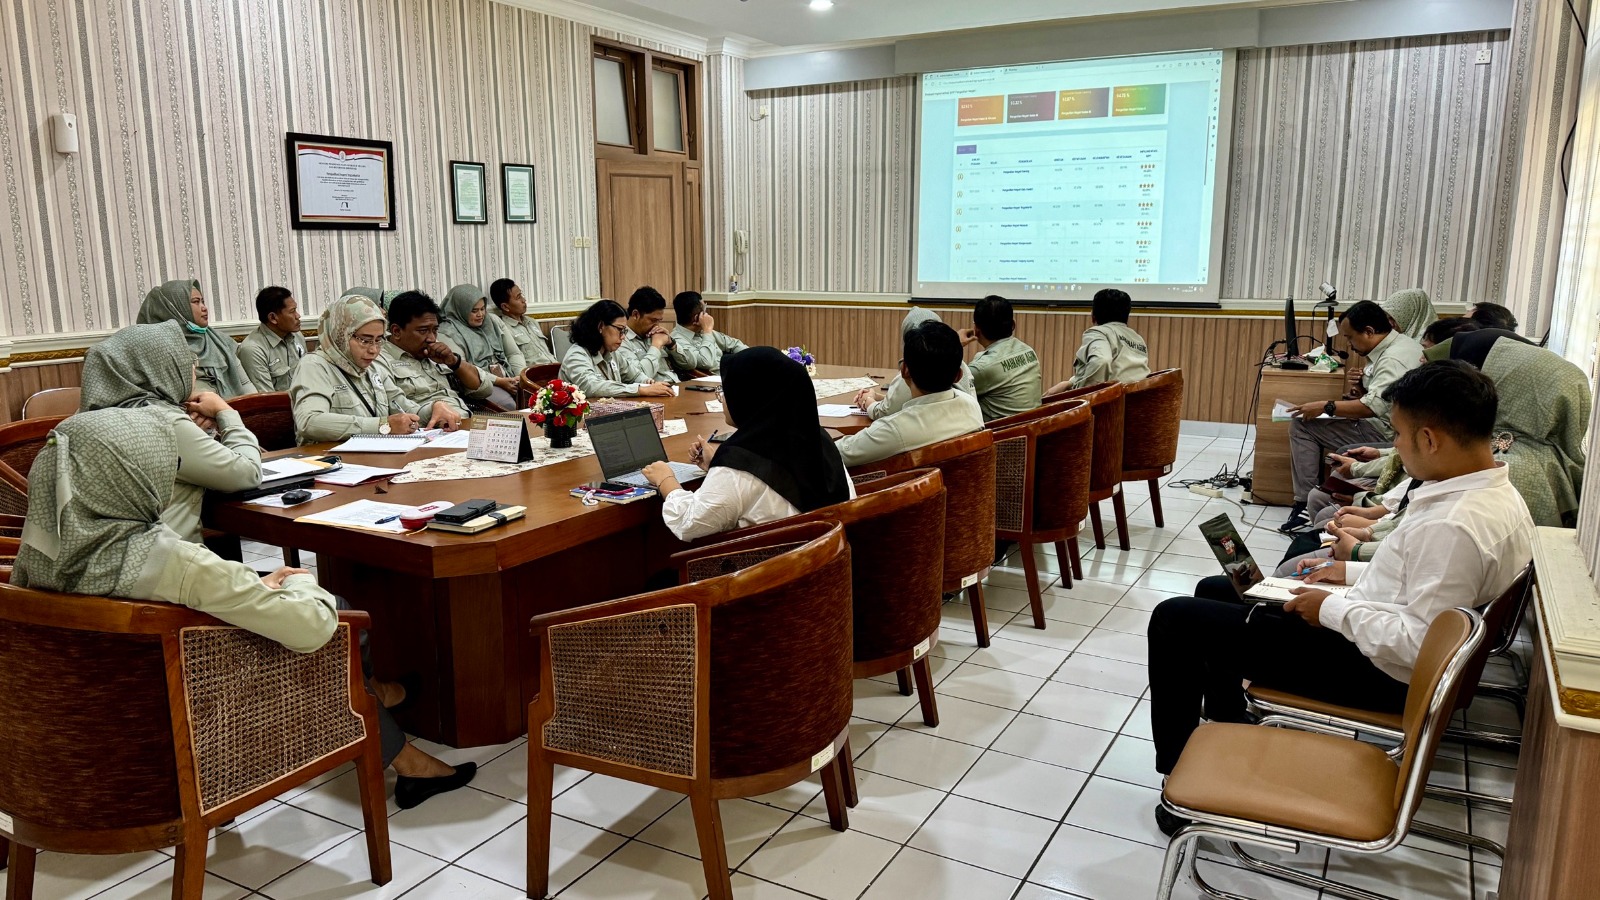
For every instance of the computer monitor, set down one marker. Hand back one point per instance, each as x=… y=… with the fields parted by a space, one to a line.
x=1291 y=330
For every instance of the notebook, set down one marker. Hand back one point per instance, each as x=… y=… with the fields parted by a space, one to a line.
x=383 y=443
x=1242 y=570
x=626 y=442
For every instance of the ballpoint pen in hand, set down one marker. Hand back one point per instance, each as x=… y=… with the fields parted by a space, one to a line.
x=699 y=452
x=1300 y=573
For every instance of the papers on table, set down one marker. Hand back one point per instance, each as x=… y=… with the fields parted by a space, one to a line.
x=351 y=474
x=709 y=379
x=836 y=410
x=275 y=501
x=1284 y=411
x=455 y=440
x=367 y=515
x=1281 y=590
x=382 y=443
x=713 y=406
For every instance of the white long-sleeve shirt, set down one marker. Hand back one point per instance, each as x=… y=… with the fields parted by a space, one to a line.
x=1461 y=543
x=727 y=499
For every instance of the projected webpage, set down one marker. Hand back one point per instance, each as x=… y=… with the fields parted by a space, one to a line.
x=1052 y=181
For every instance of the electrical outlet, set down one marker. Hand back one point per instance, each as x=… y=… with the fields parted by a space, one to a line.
x=1484 y=56
x=582 y=242
x=1204 y=491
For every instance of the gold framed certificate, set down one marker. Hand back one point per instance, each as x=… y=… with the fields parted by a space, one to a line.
x=468 y=194
x=516 y=182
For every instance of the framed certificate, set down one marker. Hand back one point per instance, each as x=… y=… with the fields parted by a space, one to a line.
x=339 y=182
x=471 y=206
x=517 y=189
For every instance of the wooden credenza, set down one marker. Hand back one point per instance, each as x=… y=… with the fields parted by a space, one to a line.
x=1272 y=482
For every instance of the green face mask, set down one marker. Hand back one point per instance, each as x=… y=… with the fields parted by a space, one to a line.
x=195 y=329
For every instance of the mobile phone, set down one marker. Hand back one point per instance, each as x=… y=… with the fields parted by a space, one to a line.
x=295 y=497
x=701 y=387
x=615 y=486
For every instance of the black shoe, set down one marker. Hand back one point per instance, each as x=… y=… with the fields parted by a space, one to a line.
x=1297 y=520
x=409 y=792
x=1168 y=821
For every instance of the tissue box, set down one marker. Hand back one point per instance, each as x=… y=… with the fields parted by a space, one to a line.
x=612 y=407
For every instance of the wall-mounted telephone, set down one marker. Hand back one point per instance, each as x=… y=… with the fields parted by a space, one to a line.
x=741 y=241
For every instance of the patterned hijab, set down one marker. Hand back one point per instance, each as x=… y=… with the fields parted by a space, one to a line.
x=141 y=365
x=482 y=345
x=1544 y=404
x=339 y=323
x=170 y=303
x=1411 y=311
x=916 y=317
x=95 y=496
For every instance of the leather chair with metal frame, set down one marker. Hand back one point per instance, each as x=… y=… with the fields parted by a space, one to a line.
x=52 y=403
x=1042 y=486
x=270 y=417
x=732 y=684
x=968 y=466
x=1280 y=788
x=1107 y=400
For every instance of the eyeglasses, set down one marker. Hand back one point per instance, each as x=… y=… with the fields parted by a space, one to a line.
x=367 y=340
x=620 y=328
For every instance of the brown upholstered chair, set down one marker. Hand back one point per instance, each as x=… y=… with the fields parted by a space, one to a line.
x=52 y=402
x=895 y=527
x=1501 y=618
x=732 y=684
x=1153 y=411
x=270 y=417
x=11 y=526
x=1105 y=476
x=967 y=464
x=134 y=726
x=533 y=378
x=20 y=442
x=1042 y=486
x=1280 y=788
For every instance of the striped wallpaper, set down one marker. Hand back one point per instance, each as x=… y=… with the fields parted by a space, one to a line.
x=182 y=108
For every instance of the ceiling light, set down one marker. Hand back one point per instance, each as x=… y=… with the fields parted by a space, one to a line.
x=820 y=5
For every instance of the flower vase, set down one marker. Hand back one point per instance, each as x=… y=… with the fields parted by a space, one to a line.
x=811 y=369
x=560 y=436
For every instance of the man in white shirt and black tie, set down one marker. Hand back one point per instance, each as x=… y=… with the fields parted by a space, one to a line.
x=1466 y=537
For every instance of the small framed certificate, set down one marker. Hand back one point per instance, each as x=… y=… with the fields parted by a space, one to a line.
x=518 y=192
x=339 y=182
x=467 y=193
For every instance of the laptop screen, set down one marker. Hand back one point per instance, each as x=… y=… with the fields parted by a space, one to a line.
x=626 y=442
x=1230 y=551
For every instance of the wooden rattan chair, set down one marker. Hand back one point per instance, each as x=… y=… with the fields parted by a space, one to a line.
x=1153 y=412
x=732 y=684
x=1042 y=486
x=134 y=726
x=968 y=466
x=52 y=403
x=533 y=378
x=1105 y=476
x=1280 y=788
x=20 y=442
x=270 y=417
x=895 y=527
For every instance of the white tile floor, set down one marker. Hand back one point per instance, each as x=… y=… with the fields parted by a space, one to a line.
x=1037 y=785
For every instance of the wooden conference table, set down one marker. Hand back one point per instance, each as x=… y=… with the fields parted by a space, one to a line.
x=454 y=609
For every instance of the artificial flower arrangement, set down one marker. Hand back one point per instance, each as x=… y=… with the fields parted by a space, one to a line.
x=804 y=358
x=559 y=407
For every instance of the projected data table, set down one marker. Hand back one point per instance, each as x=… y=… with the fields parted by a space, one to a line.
x=1042 y=209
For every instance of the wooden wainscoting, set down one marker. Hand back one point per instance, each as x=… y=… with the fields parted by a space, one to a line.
x=1216 y=351
x=20 y=382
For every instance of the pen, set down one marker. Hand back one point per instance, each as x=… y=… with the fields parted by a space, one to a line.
x=1314 y=568
x=385 y=521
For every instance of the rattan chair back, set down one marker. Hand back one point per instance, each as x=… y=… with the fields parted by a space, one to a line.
x=20 y=443
x=967 y=465
x=1042 y=471
x=1153 y=411
x=1106 y=400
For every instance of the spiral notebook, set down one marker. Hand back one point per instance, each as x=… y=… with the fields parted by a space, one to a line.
x=383 y=443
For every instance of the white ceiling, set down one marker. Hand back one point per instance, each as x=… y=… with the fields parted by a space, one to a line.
x=782 y=24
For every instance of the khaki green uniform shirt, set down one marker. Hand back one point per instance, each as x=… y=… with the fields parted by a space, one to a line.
x=425 y=382
x=607 y=375
x=921 y=421
x=229 y=462
x=528 y=336
x=692 y=350
x=895 y=394
x=270 y=360
x=1006 y=375
x=651 y=360
x=328 y=407
x=301 y=615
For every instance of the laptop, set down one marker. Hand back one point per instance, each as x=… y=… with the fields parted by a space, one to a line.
x=626 y=442
x=1241 y=568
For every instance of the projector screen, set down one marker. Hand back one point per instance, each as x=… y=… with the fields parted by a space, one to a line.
x=1049 y=182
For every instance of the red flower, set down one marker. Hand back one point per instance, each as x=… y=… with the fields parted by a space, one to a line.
x=562 y=398
x=538 y=418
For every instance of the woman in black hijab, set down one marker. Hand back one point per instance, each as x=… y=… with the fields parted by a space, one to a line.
x=779 y=463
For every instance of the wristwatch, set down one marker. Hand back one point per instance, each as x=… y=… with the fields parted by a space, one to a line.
x=453 y=366
x=1331 y=407
x=384 y=428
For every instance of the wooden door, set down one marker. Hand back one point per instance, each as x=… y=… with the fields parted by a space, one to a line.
x=694 y=234
x=642 y=226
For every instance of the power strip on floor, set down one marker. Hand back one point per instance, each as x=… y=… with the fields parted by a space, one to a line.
x=1204 y=491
